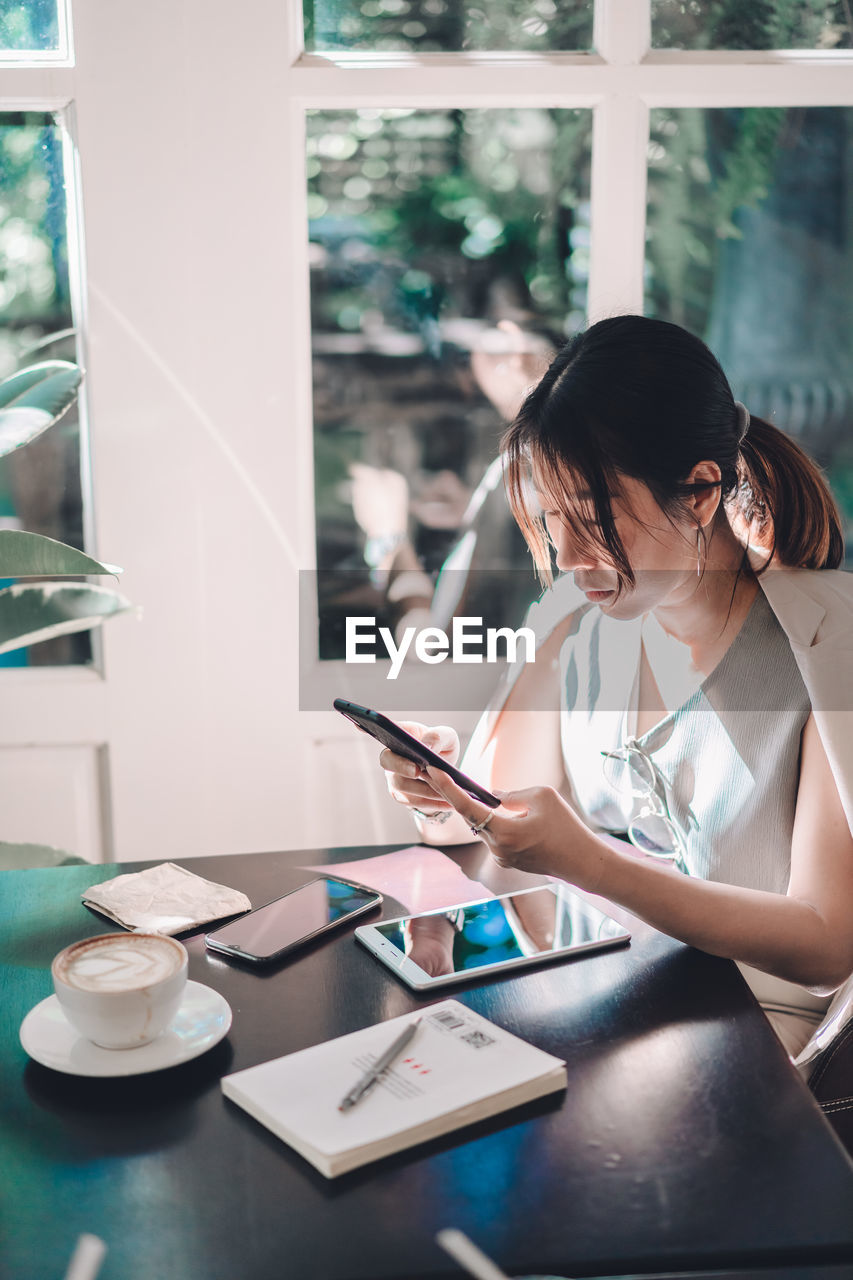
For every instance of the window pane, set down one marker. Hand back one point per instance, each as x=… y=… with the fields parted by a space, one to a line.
x=770 y=24
x=30 y=26
x=447 y=25
x=427 y=229
x=750 y=246
x=40 y=487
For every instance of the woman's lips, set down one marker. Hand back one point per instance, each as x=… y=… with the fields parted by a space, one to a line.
x=596 y=597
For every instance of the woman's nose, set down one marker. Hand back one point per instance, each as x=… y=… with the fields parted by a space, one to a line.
x=569 y=555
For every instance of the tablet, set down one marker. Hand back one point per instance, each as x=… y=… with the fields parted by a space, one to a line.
x=453 y=945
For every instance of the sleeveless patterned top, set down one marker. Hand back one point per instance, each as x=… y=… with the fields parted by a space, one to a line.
x=728 y=756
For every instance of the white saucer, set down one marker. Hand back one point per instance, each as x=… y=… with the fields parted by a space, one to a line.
x=203 y=1019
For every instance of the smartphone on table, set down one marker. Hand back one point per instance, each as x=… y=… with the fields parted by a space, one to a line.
x=269 y=932
x=398 y=740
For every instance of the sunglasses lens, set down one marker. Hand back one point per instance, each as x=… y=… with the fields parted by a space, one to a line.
x=628 y=772
x=653 y=834
x=617 y=774
x=642 y=772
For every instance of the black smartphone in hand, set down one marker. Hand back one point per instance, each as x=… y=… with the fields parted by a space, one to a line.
x=391 y=735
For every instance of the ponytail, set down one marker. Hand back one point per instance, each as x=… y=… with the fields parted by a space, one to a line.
x=783 y=497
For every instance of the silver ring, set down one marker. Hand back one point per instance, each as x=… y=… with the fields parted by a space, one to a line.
x=476 y=828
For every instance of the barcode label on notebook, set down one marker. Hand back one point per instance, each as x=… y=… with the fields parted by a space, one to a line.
x=447 y=1018
x=465 y=1029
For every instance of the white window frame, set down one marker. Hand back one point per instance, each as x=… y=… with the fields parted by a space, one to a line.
x=620 y=82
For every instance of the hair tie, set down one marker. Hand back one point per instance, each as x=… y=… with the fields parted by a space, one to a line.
x=742 y=421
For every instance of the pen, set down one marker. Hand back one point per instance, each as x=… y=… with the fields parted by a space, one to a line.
x=382 y=1063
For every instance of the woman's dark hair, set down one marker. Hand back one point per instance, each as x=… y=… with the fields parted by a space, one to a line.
x=644 y=398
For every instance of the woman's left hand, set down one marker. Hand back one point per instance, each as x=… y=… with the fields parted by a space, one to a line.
x=534 y=830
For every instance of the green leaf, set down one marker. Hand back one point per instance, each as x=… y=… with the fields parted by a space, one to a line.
x=33 y=399
x=30 y=555
x=33 y=612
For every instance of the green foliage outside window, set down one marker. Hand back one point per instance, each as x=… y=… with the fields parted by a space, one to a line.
x=28 y=25
x=34 y=284
x=754 y=24
x=447 y=25
x=40 y=488
x=424 y=192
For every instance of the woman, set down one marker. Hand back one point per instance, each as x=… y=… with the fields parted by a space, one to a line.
x=682 y=700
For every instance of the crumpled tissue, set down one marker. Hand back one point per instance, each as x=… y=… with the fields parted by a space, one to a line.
x=164 y=899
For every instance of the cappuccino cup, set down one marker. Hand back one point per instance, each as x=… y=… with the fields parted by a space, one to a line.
x=120 y=990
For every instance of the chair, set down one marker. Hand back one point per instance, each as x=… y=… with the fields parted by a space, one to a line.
x=831 y=1082
x=17 y=857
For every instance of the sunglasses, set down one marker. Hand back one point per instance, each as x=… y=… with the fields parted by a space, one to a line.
x=629 y=770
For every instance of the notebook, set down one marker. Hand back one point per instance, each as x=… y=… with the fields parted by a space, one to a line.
x=457 y=1068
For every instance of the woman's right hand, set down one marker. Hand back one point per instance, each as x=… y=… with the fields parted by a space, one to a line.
x=407 y=782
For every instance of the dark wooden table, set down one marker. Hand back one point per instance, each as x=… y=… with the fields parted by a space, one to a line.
x=685 y=1141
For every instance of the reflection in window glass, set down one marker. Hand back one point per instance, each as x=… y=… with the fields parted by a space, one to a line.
x=769 y=24
x=427 y=229
x=40 y=487
x=750 y=246
x=447 y=25
x=30 y=26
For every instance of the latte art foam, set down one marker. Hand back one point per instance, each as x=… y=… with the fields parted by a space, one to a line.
x=122 y=963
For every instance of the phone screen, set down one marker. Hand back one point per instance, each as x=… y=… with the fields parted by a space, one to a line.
x=282 y=924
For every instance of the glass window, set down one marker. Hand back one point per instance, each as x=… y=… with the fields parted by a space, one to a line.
x=770 y=24
x=428 y=229
x=750 y=245
x=447 y=25
x=30 y=26
x=40 y=486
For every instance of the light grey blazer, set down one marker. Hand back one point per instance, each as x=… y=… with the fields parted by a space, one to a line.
x=815 y=610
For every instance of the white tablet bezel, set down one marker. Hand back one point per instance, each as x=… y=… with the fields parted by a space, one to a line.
x=416 y=978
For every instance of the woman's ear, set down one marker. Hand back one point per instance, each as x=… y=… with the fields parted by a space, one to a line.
x=704 y=501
